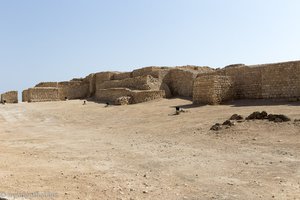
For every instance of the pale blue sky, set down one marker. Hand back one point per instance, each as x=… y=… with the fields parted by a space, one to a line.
x=55 y=40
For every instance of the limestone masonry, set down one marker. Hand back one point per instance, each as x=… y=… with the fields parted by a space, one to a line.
x=203 y=84
x=9 y=97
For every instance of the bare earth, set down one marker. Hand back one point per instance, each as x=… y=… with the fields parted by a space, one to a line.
x=144 y=152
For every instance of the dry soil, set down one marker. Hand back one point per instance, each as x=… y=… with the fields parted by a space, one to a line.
x=66 y=150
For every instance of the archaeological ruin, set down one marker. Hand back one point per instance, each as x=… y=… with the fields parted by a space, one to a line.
x=9 y=97
x=203 y=85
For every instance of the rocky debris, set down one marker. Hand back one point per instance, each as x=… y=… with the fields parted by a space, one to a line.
x=236 y=117
x=228 y=123
x=257 y=115
x=216 y=127
x=125 y=100
x=271 y=117
x=278 y=118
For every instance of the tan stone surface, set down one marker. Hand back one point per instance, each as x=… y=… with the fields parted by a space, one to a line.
x=137 y=96
x=145 y=82
x=10 y=97
x=212 y=89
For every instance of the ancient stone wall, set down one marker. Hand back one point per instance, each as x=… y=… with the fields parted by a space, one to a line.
x=122 y=75
x=247 y=81
x=180 y=82
x=25 y=96
x=268 y=81
x=47 y=84
x=73 y=90
x=102 y=77
x=9 y=97
x=41 y=94
x=145 y=82
x=281 y=80
x=112 y=94
x=212 y=89
x=146 y=95
x=152 y=71
x=137 y=96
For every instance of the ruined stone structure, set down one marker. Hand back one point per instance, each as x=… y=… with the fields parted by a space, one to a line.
x=9 y=97
x=212 y=89
x=268 y=81
x=119 y=88
x=203 y=84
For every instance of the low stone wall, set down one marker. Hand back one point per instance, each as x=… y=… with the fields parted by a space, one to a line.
x=41 y=94
x=110 y=95
x=146 y=82
x=212 y=89
x=9 y=97
x=146 y=95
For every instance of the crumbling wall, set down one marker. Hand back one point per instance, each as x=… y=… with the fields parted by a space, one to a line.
x=73 y=90
x=102 y=77
x=146 y=95
x=110 y=95
x=92 y=84
x=9 y=97
x=47 y=84
x=25 y=96
x=267 y=81
x=145 y=82
x=152 y=71
x=41 y=94
x=122 y=75
x=212 y=89
x=180 y=82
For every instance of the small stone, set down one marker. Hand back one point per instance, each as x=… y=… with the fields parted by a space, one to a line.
x=228 y=123
x=216 y=127
x=236 y=117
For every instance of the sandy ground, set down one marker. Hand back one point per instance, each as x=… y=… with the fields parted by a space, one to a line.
x=64 y=150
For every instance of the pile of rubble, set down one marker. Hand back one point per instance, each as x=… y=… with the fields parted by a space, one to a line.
x=277 y=118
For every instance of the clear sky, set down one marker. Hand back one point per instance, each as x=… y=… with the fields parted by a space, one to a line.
x=56 y=40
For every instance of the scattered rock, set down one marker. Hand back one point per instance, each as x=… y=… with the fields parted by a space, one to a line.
x=216 y=127
x=278 y=118
x=236 y=117
x=125 y=100
x=228 y=123
x=257 y=115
